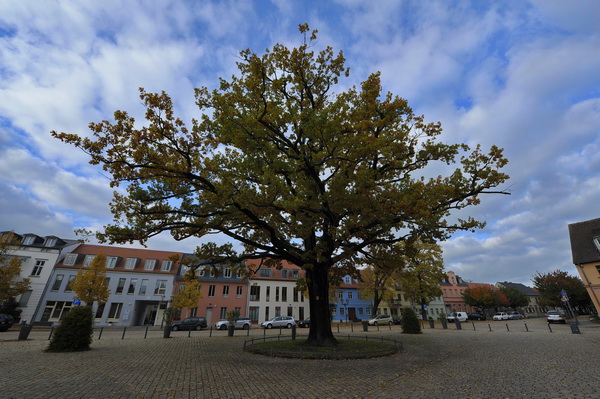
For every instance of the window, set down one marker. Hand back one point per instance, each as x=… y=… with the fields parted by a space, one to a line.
x=143 y=286
x=341 y=311
x=276 y=294
x=284 y=273
x=255 y=294
x=211 y=290
x=24 y=298
x=268 y=295
x=57 y=282
x=120 y=286
x=295 y=274
x=130 y=263
x=295 y=295
x=264 y=272
x=50 y=242
x=267 y=313
x=111 y=262
x=166 y=265
x=28 y=240
x=194 y=312
x=239 y=291
x=290 y=311
x=227 y=273
x=201 y=271
x=88 y=260
x=225 y=291
x=132 y=284
x=37 y=269
x=349 y=294
x=70 y=260
x=277 y=311
x=55 y=310
x=368 y=310
x=340 y=295
x=161 y=287
x=347 y=280
x=115 y=310
x=360 y=311
x=100 y=311
x=149 y=265
x=284 y=295
x=68 y=287
x=223 y=314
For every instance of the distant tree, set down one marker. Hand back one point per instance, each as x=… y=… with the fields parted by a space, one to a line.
x=75 y=331
x=422 y=272
x=188 y=292
x=484 y=297
x=90 y=284
x=281 y=163
x=550 y=285
x=514 y=298
x=378 y=280
x=11 y=282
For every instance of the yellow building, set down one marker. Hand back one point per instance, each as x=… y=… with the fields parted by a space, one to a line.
x=585 y=248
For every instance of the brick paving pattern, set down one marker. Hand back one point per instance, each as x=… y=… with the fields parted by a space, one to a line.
x=436 y=364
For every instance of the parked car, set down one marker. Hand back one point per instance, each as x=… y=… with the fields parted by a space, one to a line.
x=241 y=323
x=460 y=316
x=381 y=319
x=191 y=323
x=397 y=320
x=554 y=316
x=304 y=323
x=477 y=316
x=515 y=316
x=6 y=322
x=280 y=321
x=501 y=316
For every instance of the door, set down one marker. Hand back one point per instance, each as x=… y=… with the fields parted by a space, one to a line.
x=209 y=315
x=351 y=314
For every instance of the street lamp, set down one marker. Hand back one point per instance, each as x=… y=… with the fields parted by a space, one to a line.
x=345 y=303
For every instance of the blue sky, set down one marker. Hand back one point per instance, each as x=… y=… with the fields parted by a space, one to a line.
x=524 y=75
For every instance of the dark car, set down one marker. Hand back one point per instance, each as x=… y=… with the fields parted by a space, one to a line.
x=304 y=323
x=191 y=323
x=477 y=316
x=6 y=322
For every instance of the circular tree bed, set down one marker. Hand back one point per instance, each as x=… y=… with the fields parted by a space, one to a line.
x=351 y=348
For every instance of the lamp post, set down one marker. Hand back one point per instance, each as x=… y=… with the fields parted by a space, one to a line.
x=345 y=303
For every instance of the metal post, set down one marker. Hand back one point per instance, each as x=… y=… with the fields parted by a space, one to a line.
x=473 y=325
x=51 y=331
x=190 y=332
x=489 y=326
x=124 y=329
x=100 y=335
x=526 y=329
x=146 y=334
x=507 y=327
x=549 y=328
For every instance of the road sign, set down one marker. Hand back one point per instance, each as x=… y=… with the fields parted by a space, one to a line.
x=76 y=301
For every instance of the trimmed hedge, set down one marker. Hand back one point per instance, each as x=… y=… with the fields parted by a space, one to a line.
x=410 y=322
x=75 y=331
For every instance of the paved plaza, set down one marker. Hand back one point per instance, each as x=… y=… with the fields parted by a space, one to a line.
x=466 y=364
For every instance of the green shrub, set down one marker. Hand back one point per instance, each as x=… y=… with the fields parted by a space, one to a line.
x=75 y=331
x=410 y=322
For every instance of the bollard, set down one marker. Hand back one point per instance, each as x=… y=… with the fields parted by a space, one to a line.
x=100 y=335
x=490 y=327
x=210 y=334
x=457 y=323
x=248 y=332
x=549 y=328
x=507 y=327
x=526 y=329
x=146 y=334
x=124 y=329
x=293 y=331
x=352 y=327
x=51 y=331
x=338 y=326
x=190 y=332
x=473 y=325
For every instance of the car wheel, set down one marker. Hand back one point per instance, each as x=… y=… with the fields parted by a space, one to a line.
x=223 y=327
x=175 y=328
x=289 y=325
x=389 y=323
x=198 y=328
x=269 y=325
x=375 y=324
x=246 y=327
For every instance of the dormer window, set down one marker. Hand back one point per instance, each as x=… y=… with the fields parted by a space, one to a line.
x=70 y=260
x=28 y=240
x=149 y=265
x=166 y=265
x=130 y=263
x=88 y=260
x=111 y=262
x=50 y=242
x=596 y=241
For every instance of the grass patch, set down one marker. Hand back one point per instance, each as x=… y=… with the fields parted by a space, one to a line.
x=345 y=349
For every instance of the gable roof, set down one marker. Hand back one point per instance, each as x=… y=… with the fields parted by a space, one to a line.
x=523 y=289
x=582 y=236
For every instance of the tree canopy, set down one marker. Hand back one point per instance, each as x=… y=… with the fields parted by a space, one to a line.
x=280 y=163
x=90 y=284
x=514 y=298
x=484 y=297
x=550 y=285
x=11 y=282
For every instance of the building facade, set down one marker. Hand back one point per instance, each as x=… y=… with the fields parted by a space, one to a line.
x=348 y=306
x=452 y=289
x=38 y=256
x=140 y=283
x=585 y=249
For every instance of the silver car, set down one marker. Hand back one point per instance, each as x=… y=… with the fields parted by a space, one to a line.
x=243 y=323
x=554 y=316
x=280 y=321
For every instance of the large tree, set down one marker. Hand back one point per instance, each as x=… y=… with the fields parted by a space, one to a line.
x=282 y=164
x=514 y=298
x=11 y=282
x=484 y=297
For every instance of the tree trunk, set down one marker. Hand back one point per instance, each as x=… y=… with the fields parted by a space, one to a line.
x=320 y=333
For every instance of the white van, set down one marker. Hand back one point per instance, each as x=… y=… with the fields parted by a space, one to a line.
x=460 y=316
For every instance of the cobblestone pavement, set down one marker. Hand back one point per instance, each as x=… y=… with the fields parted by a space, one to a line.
x=503 y=363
